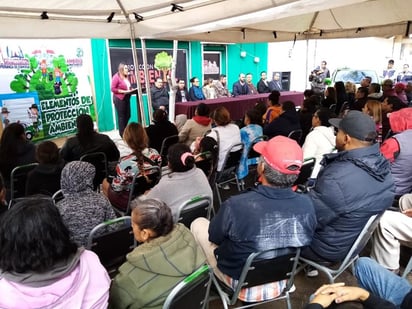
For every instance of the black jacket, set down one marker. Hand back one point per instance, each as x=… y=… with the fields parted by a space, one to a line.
x=160 y=97
x=72 y=150
x=44 y=179
x=283 y=125
x=158 y=131
x=179 y=95
x=262 y=87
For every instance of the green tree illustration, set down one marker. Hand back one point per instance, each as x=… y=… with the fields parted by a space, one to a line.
x=163 y=62
x=31 y=79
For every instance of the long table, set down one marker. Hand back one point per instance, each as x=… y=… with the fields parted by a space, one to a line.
x=237 y=106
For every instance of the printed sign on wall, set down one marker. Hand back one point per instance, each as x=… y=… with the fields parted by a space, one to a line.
x=159 y=63
x=44 y=85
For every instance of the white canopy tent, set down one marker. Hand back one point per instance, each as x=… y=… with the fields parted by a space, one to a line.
x=205 y=20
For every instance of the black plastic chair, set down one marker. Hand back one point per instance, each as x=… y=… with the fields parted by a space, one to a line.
x=296 y=135
x=18 y=179
x=99 y=161
x=260 y=268
x=192 y=292
x=252 y=154
x=166 y=143
x=305 y=173
x=208 y=165
x=196 y=207
x=57 y=196
x=140 y=184
x=229 y=169
x=112 y=246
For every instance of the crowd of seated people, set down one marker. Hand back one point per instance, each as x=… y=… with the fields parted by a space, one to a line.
x=359 y=180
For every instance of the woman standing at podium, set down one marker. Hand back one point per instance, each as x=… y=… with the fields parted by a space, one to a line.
x=122 y=90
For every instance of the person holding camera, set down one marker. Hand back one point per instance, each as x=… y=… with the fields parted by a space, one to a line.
x=317 y=78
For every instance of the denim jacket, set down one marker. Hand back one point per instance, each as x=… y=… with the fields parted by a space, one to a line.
x=259 y=219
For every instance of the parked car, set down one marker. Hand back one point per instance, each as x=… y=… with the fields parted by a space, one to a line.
x=354 y=76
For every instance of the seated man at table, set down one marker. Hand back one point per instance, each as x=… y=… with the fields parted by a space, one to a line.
x=271 y=216
x=160 y=95
x=240 y=87
x=263 y=84
x=221 y=87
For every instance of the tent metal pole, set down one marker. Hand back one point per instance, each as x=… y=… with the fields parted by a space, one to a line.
x=172 y=83
x=140 y=108
x=147 y=80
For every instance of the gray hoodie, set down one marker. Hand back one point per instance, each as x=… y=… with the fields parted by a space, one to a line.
x=82 y=208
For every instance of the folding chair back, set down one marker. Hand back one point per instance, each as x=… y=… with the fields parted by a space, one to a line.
x=192 y=292
x=296 y=135
x=305 y=173
x=408 y=268
x=353 y=253
x=166 y=143
x=207 y=165
x=196 y=207
x=281 y=268
x=252 y=153
x=228 y=172
x=261 y=268
x=363 y=237
x=141 y=184
x=36 y=197
x=112 y=246
x=57 y=196
x=18 y=178
x=230 y=164
x=99 y=161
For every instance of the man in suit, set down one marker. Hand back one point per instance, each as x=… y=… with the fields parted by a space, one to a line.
x=240 y=87
x=276 y=83
x=263 y=85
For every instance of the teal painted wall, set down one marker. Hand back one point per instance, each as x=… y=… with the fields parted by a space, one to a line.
x=237 y=64
x=232 y=65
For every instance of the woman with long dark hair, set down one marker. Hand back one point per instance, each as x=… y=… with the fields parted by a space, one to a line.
x=15 y=150
x=141 y=157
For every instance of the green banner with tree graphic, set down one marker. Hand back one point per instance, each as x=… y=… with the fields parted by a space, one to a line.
x=44 y=85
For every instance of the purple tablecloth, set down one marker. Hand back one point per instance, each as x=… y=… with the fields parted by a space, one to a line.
x=237 y=106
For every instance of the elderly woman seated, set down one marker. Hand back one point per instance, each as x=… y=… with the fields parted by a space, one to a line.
x=167 y=254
